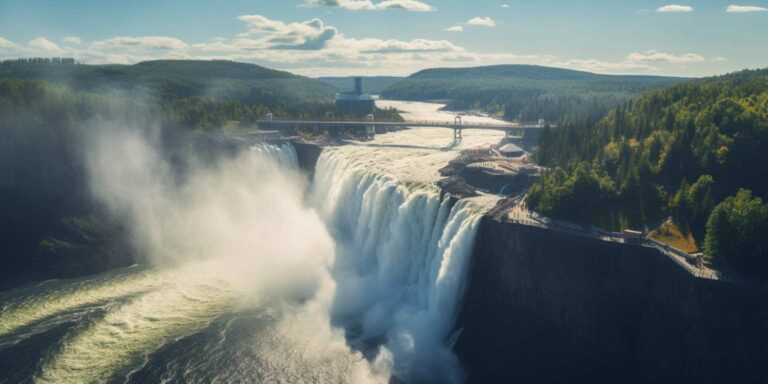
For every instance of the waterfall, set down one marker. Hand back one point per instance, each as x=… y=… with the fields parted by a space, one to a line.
x=283 y=154
x=401 y=264
x=362 y=281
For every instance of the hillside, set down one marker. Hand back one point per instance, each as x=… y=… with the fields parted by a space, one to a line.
x=172 y=79
x=530 y=72
x=524 y=92
x=694 y=151
x=194 y=94
x=374 y=85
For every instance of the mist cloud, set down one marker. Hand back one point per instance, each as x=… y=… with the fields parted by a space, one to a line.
x=240 y=223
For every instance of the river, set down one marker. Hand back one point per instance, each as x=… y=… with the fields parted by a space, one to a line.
x=249 y=278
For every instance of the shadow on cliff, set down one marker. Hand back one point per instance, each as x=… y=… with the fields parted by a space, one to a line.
x=545 y=307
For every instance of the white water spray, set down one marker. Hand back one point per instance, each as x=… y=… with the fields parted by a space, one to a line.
x=237 y=236
x=234 y=235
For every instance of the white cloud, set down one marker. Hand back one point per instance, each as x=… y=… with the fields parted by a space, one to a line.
x=594 y=65
x=141 y=43
x=505 y=5
x=274 y=43
x=274 y=34
x=5 y=43
x=720 y=59
x=455 y=28
x=745 y=9
x=398 y=46
x=647 y=61
x=72 y=40
x=44 y=45
x=313 y=48
x=369 y=5
x=674 y=8
x=656 y=56
x=482 y=21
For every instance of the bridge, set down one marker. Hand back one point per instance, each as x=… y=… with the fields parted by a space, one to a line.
x=370 y=125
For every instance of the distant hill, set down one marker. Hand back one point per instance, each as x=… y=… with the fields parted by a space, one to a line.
x=374 y=85
x=172 y=79
x=530 y=72
x=526 y=92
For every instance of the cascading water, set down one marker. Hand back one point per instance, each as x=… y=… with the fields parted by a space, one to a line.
x=283 y=154
x=402 y=259
x=250 y=282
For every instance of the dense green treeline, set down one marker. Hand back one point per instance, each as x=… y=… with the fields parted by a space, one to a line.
x=680 y=151
x=57 y=107
x=209 y=113
x=42 y=124
x=524 y=92
x=192 y=93
x=179 y=79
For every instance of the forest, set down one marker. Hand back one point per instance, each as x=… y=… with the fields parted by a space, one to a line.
x=190 y=93
x=178 y=79
x=695 y=151
x=525 y=92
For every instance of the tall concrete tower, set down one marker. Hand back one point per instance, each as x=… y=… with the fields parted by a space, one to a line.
x=358 y=86
x=355 y=101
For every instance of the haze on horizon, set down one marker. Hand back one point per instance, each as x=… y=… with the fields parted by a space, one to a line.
x=398 y=37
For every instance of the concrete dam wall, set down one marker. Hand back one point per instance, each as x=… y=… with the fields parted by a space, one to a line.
x=543 y=306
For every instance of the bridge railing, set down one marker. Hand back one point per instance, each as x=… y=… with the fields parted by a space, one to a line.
x=511 y=125
x=335 y=119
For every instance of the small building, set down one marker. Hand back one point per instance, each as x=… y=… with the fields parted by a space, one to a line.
x=356 y=101
x=511 y=150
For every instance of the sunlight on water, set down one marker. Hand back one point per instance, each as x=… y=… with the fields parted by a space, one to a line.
x=57 y=298
x=192 y=298
x=417 y=154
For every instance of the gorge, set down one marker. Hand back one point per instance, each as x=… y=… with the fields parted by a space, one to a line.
x=282 y=280
x=363 y=272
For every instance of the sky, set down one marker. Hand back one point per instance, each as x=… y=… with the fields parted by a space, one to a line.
x=398 y=37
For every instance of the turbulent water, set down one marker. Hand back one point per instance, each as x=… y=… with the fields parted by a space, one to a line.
x=401 y=264
x=253 y=279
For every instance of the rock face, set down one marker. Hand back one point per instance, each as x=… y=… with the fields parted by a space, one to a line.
x=544 y=306
x=307 y=155
x=462 y=179
x=50 y=225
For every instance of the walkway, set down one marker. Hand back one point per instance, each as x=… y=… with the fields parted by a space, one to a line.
x=518 y=213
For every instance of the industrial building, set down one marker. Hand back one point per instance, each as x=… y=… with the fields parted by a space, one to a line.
x=356 y=101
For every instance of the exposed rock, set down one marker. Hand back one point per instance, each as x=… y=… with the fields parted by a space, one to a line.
x=464 y=179
x=307 y=153
x=544 y=306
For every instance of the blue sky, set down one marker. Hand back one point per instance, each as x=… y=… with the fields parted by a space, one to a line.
x=398 y=37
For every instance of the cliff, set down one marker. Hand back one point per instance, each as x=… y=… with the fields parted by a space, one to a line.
x=50 y=225
x=544 y=306
x=307 y=155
